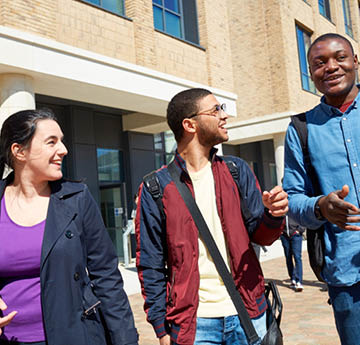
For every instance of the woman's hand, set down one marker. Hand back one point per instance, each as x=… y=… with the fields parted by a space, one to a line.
x=6 y=319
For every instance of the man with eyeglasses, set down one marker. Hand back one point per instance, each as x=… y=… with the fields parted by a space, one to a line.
x=185 y=298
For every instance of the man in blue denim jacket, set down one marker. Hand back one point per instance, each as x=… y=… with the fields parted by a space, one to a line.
x=334 y=148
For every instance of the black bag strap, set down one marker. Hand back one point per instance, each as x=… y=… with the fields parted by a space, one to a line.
x=152 y=183
x=214 y=252
x=314 y=236
x=276 y=304
x=299 y=123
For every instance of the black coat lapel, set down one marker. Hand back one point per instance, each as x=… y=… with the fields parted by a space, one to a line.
x=61 y=212
x=58 y=218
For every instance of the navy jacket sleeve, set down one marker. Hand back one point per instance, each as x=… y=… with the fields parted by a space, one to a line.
x=262 y=227
x=151 y=259
x=102 y=265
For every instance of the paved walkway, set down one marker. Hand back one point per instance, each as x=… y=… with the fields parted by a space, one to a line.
x=307 y=318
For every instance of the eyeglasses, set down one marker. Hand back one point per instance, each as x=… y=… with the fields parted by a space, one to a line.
x=215 y=111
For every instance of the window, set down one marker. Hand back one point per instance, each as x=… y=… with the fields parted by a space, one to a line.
x=110 y=164
x=165 y=146
x=115 y=6
x=347 y=17
x=273 y=175
x=324 y=8
x=303 y=42
x=177 y=18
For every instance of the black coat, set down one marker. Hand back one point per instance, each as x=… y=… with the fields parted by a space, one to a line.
x=78 y=269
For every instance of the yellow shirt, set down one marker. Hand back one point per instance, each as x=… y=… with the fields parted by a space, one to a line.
x=214 y=300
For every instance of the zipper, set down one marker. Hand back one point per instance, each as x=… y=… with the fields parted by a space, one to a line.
x=90 y=310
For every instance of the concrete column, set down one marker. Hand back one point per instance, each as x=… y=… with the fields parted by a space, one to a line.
x=220 y=149
x=279 y=140
x=16 y=93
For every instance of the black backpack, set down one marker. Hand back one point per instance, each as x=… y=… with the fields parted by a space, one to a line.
x=315 y=237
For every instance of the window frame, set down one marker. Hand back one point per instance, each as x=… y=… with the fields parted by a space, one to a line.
x=163 y=12
x=184 y=23
x=302 y=55
x=122 y=15
x=347 y=18
x=325 y=6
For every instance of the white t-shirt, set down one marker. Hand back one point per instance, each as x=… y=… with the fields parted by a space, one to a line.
x=214 y=300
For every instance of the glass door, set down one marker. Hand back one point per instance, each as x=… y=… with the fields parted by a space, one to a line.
x=113 y=195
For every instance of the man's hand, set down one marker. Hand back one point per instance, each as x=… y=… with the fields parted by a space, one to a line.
x=276 y=201
x=6 y=319
x=165 y=340
x=339 y=212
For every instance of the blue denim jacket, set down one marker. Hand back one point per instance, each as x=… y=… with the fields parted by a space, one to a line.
x=334 y=147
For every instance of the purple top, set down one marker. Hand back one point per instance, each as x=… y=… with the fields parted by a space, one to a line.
x=20 y=252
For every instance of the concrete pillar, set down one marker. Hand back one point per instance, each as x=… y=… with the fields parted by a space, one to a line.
x=16 y=93
x=220 y=149
x=279 y=140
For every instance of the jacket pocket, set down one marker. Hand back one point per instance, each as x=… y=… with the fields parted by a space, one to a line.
x=91 y=317
x=91 y=303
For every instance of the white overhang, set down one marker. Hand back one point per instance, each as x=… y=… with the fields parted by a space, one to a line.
x=63 y=71
x=258 y=129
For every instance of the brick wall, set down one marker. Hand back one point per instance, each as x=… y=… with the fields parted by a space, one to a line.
x=141 y=12
x=38 y=16
x=214 y=29
x=88 y=27
x=180 y=59
x=258 y=57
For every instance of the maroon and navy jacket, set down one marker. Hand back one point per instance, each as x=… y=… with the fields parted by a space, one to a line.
x=167 y=249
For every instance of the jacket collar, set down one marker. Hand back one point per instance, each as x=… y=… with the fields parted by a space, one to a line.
x=181 y=163
x=333 y=111
x=60 y=214
x=60 y=189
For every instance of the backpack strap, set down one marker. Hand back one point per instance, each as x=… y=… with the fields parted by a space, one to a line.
x=235 y=175
x=299 y=123
x=151 y=181
x=315 y=237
